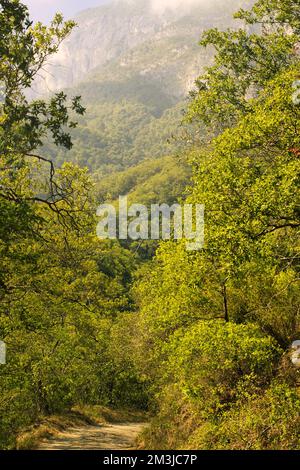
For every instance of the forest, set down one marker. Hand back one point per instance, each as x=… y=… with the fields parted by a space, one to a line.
x=198 y=341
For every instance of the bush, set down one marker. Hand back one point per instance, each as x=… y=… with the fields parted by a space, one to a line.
x=212 y=371
x=267 y=422
x=215 y=362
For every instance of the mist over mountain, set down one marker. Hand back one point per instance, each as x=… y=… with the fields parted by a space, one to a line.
x=161 y=6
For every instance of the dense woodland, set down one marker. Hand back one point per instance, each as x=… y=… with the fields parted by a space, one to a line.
x=200 y=340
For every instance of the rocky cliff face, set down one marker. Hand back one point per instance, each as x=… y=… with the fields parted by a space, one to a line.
x=102 y=35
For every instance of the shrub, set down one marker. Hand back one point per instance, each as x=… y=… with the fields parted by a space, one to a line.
x=212 y=372
x=216 y=362
x=267 y=422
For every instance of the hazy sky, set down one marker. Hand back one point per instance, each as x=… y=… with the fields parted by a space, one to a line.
x=43 y=10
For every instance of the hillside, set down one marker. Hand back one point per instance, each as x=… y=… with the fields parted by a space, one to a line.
x=111 y=31
x=136 y=67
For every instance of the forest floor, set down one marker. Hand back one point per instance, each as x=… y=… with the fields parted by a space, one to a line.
x=89 y=428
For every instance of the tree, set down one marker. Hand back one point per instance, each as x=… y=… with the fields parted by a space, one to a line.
x=247 y=175
x=246 y=60
x=60 y=287
x=24 y=49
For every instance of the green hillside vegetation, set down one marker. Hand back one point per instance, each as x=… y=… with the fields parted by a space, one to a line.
x=164 y=180
x=134 y=101
x=116 y=136
x=201 y=339
x=157 y=181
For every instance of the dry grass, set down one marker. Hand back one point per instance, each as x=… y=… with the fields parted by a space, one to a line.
x=106 y=415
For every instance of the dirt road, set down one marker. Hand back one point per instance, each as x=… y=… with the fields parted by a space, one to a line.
x=106 y=437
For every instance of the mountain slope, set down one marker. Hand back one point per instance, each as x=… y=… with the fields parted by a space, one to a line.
x=137 y=66
x=107 y=33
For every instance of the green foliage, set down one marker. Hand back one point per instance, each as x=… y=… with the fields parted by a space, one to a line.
x=244 y=62
x=23 y=50
x=59 y=297
x=213 y=362
x=60 y=287
x=213 y=373
x=203 y=336
x=268 y=422
x=248 y=272
x=113 y=136
x=150 y=182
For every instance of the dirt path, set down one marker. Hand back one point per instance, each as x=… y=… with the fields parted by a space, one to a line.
x=106 y=437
